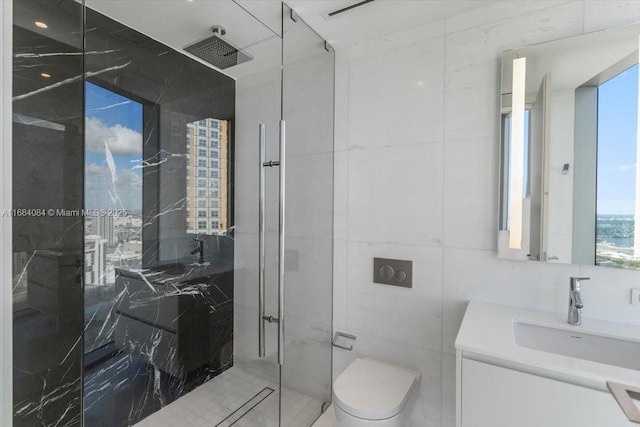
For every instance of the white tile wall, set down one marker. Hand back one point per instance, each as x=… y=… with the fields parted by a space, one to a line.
x=395 y=194
x=416 y=178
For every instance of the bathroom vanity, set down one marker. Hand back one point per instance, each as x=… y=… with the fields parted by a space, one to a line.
x=177 y=316
x=530 y=369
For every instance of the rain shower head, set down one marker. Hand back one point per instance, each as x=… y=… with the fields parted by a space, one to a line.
x=217 y=51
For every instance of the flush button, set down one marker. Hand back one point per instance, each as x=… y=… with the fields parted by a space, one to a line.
x=400 y=276
x=393 y=272
x=386 y=272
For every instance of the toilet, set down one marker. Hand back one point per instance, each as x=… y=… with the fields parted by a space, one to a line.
x=370 y=393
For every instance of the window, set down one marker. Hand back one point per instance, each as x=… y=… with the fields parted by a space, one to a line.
x=204 y=173
x=616 y=191
x=111 y=110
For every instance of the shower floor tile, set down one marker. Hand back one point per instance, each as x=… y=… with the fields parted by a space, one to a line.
x=214 y=403
x=328 y=419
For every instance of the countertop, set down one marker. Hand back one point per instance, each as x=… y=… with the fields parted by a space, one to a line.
x=171 y=275
x=487 y=335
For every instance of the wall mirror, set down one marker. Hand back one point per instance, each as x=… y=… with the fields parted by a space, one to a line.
x=569 y=151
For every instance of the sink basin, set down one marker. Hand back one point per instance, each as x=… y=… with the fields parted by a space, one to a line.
x=575 y=343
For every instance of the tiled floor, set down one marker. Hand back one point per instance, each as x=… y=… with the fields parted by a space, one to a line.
x=328 y=419
x=215 y=402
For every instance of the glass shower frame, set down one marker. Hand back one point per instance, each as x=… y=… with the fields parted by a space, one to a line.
x=303 y=99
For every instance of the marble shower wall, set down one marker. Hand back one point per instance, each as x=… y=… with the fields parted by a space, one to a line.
x=48 y=160
x=416 y=177
x=176 y=330
x=172 y=327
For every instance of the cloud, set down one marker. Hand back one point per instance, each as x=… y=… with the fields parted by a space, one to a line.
x=118 y=139
x=104 y=190
x=624 y=168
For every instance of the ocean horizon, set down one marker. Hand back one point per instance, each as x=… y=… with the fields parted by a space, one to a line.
x=615 y=230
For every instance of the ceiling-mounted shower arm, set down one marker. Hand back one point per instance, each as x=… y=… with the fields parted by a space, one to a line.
x=219 y=30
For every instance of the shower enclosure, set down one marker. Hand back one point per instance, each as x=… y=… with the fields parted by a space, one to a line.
x=171 y=215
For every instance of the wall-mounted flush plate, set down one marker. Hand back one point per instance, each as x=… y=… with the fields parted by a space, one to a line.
x=393 y=272
x=635 y=296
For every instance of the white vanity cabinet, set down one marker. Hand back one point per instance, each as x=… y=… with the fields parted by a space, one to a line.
x=524 y=368
x=494 y=396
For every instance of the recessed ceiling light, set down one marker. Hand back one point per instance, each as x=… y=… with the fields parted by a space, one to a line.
x=420 y=83
x=45 y=75
x=41 y=24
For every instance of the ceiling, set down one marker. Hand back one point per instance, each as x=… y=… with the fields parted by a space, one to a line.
x=186 y=21
x=377 y=18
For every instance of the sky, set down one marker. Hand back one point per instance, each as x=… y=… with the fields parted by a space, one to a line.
x=617 y=134
x=113 y=150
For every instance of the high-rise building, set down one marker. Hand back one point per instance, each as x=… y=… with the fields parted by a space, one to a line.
x=207 y=202
x=95 y=261
x=103 y=226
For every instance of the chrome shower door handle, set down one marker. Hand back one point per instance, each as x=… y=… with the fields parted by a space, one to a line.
x=281 y=231
x=262 y=317
x=261 y=240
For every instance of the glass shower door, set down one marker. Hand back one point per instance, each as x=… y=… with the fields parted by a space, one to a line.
x=284 y=329
x=308 y=101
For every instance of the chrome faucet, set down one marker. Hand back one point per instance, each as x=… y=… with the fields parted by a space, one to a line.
x=575 y=301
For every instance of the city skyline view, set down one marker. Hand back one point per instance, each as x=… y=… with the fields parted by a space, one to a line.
x=113 y=150
x=113 y=180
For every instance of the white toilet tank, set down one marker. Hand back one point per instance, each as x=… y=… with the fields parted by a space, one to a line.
x=373 y=393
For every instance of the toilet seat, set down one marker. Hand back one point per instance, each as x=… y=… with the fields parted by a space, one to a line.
x=373 y=390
